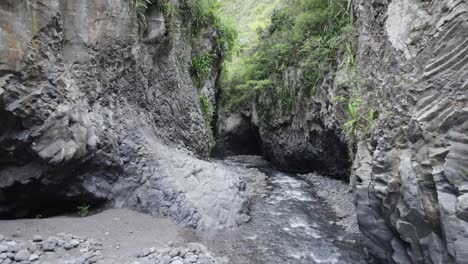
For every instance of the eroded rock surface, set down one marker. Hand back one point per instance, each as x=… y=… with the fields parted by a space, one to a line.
x=88 y=104
x=410 y=175
x=409 y=168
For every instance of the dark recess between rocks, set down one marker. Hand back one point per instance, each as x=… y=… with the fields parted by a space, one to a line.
x=36 y=200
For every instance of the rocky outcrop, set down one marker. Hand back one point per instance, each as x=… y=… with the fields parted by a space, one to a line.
x=409 y=168
x=301 y=140
x=237 y=135
x=95 y=110
x=410 y=176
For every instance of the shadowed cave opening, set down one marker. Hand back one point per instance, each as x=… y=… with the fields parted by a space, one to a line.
x=28 y=188
x=291 y=150
x=37 y=200
x=244 y=140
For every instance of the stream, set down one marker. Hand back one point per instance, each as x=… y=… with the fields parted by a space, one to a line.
x=289 y=225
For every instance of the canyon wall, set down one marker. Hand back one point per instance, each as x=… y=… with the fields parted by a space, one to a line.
x=411 y=175
x=409 y=166
x=96 y=111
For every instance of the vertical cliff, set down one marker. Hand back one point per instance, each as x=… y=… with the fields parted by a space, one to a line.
x=99 y=104
x=411 y=175
x=391 y=115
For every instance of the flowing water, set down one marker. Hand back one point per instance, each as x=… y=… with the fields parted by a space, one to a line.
x=289 y=225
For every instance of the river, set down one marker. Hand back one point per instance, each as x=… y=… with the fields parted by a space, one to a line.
x=289 y=225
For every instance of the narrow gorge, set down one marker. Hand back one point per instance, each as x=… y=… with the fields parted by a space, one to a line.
x=233 y=131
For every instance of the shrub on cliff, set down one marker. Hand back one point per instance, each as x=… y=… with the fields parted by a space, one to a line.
x=304 y=35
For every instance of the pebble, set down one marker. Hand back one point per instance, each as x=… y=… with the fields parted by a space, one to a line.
x=33 y=257
x=22 y=255
x=88 y=251
x=3 y=248
x=174 y=252
x=49 y=244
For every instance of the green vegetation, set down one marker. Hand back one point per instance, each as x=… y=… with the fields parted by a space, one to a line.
x=361 y=117
x=84 y=210
x=200 y=67
x=198 y=13
x=302 y=37
x=208 y=112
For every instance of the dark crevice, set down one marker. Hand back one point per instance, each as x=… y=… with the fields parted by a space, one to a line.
x=30 y=188
x=39 y=200
x=245 y=140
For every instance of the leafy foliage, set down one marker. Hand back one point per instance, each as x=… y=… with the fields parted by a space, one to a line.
x=361 y=118
x=84 y=210
x=304 y=35
x=200 y=67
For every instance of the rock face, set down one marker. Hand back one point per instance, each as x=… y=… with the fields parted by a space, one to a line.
x=88 y=104
x=410 y=175
x=410 y=171
x=302 y=140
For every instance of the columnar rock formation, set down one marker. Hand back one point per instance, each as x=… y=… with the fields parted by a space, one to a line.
x=411 y=176
x=88 y=104
x=410 y=171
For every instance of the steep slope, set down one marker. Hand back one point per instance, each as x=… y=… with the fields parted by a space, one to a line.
x=91 y=92
x=412 y=174
x=395 y=103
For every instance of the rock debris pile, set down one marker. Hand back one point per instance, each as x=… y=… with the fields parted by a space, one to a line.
x=71 y=249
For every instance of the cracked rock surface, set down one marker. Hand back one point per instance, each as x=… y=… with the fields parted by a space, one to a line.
x=94 y=112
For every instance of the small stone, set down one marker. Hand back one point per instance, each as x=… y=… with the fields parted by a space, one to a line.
x=11 y=243
x=183 y=252
x=7 y=261
x=67 y=246
x=16 y=234
x=22 y=255
x=146 y=252
x=173 y=253
x=191 y=258
x=74 y=242
x=177 y=261
x=3 y=248
x=197 y=248
x=33 y=247
x=33 y=257
x=49 y=244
